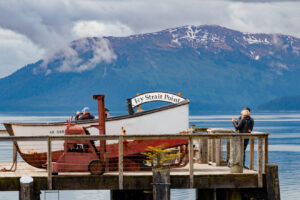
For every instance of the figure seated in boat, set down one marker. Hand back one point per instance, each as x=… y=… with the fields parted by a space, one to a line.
x=84 y=114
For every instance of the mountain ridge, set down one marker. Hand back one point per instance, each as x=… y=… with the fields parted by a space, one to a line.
x=215 y=67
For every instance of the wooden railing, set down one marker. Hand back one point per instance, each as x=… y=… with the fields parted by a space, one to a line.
x=235 y=146
x=214 y=136
x=3 y=131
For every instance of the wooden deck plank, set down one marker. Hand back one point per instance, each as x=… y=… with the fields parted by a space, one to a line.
x=205 y=176
x=199 y=169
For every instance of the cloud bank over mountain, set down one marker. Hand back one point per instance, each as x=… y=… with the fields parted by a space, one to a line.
x=71 y=61
x=45 y=26
x=215 y=67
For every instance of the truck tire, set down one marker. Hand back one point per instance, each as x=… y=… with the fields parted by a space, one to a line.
x=96 y=167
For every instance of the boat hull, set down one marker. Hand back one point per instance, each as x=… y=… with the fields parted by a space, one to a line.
x=164 y=120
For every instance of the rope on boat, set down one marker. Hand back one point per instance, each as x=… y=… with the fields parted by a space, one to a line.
x=13 y=167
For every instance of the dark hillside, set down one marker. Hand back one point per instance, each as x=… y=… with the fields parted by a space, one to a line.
x=215 y=67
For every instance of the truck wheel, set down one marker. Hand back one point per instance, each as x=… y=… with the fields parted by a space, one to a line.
x=96 y=167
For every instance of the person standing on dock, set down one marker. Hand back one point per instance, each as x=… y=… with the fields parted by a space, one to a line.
x=240 y=117
x=244 y=124
x=106 y=114
x=84 y=114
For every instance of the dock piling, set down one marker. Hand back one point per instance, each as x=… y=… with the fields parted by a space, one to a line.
x=161 y=183
x=205 y=194
x=272 y=181
x=26 y=188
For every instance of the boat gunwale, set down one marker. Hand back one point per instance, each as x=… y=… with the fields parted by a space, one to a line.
x=137 y=114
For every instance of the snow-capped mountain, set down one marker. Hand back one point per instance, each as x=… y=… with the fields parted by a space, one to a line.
x=272 y=49
x=215 y=67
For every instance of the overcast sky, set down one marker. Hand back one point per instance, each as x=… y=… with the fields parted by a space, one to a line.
x=33 y=29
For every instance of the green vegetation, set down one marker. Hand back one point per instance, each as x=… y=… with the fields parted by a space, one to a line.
x=160 y=157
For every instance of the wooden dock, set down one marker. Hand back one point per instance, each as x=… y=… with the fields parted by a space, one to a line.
x=209 y=176
x=205 y=176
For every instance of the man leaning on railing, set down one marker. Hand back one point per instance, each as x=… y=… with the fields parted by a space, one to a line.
x=244 y=124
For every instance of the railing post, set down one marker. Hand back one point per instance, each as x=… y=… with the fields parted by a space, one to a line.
x=203 y=153
x=217 y=148
x=242 y=140
x=266 y=154
x=227 y=150
x=218 y=142
x=251 y=154
x=213 y=150
x=121 y=163
x=49 y=165
x=211 y=147
x=209 y=150
x=191 y=161
x=259 y=161
x=236 y=157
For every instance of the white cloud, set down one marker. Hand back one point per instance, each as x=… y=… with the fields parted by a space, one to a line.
x=279 y=17
x=51 y=25
x=101 y=49
x=94 y=28
x=16 y=51
x=264 y=1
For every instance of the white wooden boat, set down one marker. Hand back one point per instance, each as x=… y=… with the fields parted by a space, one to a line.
x=169 y=119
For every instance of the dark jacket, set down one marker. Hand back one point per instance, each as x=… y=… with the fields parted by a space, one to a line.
x=84 y=117
x=244 y=125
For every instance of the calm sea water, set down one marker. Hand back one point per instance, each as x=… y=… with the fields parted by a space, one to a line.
x=284 y=150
